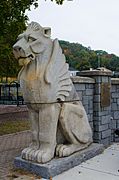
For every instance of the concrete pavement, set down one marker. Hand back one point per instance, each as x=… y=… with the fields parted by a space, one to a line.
x=102 y=167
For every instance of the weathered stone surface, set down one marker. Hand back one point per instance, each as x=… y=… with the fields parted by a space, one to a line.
x=89 y=92
x=59 y=165
x=115 y=80
x=79 y=79
x=105 y=119
x=96 y=72
x=116 y=115
x=106 y=133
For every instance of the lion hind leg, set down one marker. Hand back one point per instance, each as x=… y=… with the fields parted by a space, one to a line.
x=76 y=129
x=75 y=125
x=67 y=150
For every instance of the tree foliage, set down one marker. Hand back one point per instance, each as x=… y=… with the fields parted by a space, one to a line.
x=83 y=58
x=12 y=22
x=59 y=2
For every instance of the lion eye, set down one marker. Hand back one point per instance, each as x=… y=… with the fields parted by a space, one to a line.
x=18 y=38
x=31 y=39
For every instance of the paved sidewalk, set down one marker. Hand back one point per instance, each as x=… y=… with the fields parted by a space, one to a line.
x=104 y=166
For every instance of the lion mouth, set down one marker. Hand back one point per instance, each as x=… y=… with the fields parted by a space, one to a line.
x=23 y=61
x=31 y=56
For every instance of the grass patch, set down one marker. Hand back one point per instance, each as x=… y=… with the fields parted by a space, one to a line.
x=9 y=127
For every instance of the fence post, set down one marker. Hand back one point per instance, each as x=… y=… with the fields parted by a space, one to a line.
x=17 y=86
x=0 y=92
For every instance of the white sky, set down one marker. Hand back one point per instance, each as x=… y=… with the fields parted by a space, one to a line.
x=93 y=23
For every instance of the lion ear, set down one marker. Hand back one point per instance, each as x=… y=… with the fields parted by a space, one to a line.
x=47 y=31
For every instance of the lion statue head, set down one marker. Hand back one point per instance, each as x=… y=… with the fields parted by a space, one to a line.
x=35 y=40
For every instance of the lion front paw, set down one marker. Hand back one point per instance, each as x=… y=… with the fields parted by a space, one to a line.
x=28 y=153
x=43 y=156
x=63 y=150
x=37 y=155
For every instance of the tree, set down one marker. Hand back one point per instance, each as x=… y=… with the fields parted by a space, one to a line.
x=59 y=2
x=12 y=22
x=82 y=58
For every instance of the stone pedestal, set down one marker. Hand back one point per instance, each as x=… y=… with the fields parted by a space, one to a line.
x=59 y=165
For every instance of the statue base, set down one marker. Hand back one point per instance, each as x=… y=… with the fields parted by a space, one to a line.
x=58 y=165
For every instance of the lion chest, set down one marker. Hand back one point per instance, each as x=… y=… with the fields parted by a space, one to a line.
x=34 y=87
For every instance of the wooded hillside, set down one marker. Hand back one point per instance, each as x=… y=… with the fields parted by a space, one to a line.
x=83 y=58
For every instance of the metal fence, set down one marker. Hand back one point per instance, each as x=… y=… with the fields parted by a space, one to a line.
x=11 y=94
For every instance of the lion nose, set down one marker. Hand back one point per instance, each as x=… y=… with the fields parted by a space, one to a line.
x=18 y=51
x=16 y=48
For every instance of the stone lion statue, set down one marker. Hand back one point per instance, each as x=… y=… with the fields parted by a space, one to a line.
x=59 y=123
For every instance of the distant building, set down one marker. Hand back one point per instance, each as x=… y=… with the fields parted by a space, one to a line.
x=115 y=74
x=72 y=71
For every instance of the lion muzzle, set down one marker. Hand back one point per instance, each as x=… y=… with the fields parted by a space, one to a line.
x=20 y=55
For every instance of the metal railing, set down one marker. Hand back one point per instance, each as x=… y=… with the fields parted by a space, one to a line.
x=11 y=94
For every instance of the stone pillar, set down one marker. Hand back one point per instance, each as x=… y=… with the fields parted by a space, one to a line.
x=101 y=104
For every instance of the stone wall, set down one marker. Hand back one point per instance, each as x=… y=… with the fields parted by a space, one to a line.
x=103 y=114
x=114 y=107
x=85 y=89
x=95 y=91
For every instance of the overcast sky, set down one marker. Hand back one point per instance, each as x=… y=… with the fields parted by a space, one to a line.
x=93 y=23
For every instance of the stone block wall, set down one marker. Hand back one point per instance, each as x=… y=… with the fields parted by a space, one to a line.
x=104 y=120
x=85 y=89
x=114 y=107
x=90 y=90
